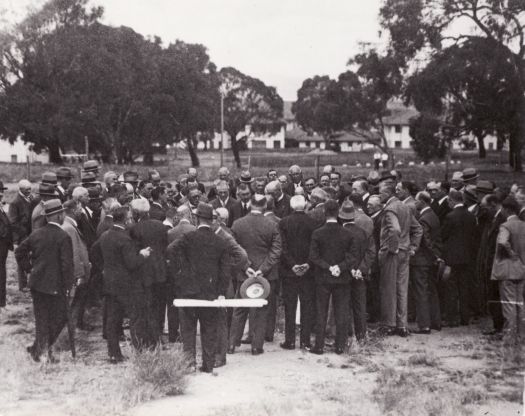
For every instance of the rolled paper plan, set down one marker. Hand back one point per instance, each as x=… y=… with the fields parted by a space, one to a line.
x=220 y=303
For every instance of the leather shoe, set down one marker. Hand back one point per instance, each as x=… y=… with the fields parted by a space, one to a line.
x=287 y=346
x=246 y=341
x=31 y=352
x=219 y=363
x=231 y=350
x=305 y=346
x=402 y=332
x=204 y=369
x=257 y=351
x=339 y=350
x=422 y=331
x=316 y=351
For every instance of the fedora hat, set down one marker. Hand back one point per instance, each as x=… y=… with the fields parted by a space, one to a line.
x=131 y=176
x=347 y=211
x=2 y=187
x=47 y=189
x=90 y=166
x=373 y=177
x=469 y=174
x=64 y=172
x=386 y=176
x=88 y=177
x=469 y=193
x=50 y=178
x=457 y=176
x=204 y=210
x=255 y=287
x=246 y=177
x=53 y=206
x=485 y=187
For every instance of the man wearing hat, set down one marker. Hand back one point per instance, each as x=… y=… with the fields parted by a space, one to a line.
x=260 y=237
x=246 y=177
x=64 y=175
x=132 y=178
x=203 y=260
x=46 y=192
x=88 y=179
x=470 y=176
x=19 y=214
x=47 y=254
x=91 y=166
x=6 y=244
x=365 y=255
x=86 y=223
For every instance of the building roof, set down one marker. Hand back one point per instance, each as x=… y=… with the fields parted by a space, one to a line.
x=300 y=135
x=399 y=114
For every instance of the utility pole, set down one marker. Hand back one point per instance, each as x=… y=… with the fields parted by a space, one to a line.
x=222 y=128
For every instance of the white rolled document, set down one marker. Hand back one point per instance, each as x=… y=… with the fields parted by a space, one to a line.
x=220 y=303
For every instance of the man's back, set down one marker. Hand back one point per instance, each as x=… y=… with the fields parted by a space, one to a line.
x=19 y=214
x=80 y=252
x=516 y=230
x=399 y=229
x=179 y=230
x=296 y=231
x=458 y=233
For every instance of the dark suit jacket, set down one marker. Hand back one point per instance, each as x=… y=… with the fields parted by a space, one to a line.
x=156 y=212
x=6 y=232
x=290 y=188
x=441 y=210
x=105 y=224
x=204 y=265
x=152 y=233
x=179 y=230
x=365 y=247
x=233 y=206
x=521 y=216
x=431 y=245
x=282 y=207
x=458 y=235
x=296 y=233
x=48 y=255
x=19 y=214
x=333 y=245
x=317 y=214
x=120 y=259
x=88 y=229
x=260 y=237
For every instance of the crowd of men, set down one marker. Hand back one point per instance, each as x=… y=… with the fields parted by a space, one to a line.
x=374 y=250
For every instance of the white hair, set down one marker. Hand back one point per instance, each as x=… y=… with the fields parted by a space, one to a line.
x=298 y=203
x=79 y=192
x=140 y=206
x=223 y=214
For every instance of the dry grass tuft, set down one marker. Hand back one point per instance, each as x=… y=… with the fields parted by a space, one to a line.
x=424 y=359
x=155 y=374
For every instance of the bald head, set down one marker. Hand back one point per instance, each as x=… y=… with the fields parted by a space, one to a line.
x=183 y=212
x=222 y=215
x=298 y=203
x=24 y=186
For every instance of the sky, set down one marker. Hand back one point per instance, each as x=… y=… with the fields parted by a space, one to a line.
x=281 y=42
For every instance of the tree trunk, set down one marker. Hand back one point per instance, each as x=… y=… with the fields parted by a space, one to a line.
x=54 y=152
x=147 y=158
x=481 y=146
x=515 y=146
x=193 y=154
x=235 y=149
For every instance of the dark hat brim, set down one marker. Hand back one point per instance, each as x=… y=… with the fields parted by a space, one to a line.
x=47 y=213
x=263 y=288
x=346 y=216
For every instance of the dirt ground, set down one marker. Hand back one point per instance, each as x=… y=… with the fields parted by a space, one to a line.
x=452 y=372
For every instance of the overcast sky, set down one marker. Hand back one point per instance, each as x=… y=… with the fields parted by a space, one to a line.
x=281 y=42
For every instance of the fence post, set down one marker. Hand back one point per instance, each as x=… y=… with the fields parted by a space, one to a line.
x=28 y=168
x=317 y=163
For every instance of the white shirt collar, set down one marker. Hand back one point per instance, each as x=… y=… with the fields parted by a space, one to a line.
x=458 y=205
x=119 y=226
x=203 y=226
x=442 y=200
x=375 y=214
x=55 y=223
x=256 y=211
x=424 y=210
x=406 y=199
x=185 y=220
x=224 y=203
x=331 y=220
x=366 y=195
x=87 y=210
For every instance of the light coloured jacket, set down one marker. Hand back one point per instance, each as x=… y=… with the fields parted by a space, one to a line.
x=511 y=240
x=81 y=264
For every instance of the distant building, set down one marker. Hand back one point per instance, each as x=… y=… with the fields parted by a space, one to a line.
x=253 y=141
x=20 y=152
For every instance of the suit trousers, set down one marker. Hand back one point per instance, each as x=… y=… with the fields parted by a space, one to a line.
x=511 y=292
x=50 y=318
x=494 y=306
x=394 y=288
x=357 y=311
x=372 y=296
x=3 y=272
x=340 y=295
x=173 y=314
x=457 y=295
x=22 y=277
x=302 y=288
x=78 y=305
x=207 y=318
x=222 y=334
x=158 y=306
x=426 y=299
x=273 y=303
x=258 y=318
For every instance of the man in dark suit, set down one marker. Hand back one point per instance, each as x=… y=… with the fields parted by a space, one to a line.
x=204 y=263
x=193 y=178
x=318 y=197
x=260 y=237
x=400 y=238
x=459 y=252
x=152 y=233
x=225 y=200
x=64 y=176
x=19 y=215
x=295 y=180
x=86 y=224
x=333 y=252
x=365 y=248
x=106 y=223
x=439 y=193
x=158 y=202
x=373 y=302
x=47 y=254
x=6 y=244
x=423 y=271
x=122 y=286
x=281 y=201
x=297 y=277
x=244 y=195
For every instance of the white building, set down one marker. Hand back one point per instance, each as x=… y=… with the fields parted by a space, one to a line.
x=20 y=152
x=253 y=141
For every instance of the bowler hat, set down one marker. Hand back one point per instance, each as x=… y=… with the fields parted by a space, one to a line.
x=49 y=177
x=255 y=287
x=53 y=206
x=485 y=187
x=131 y=176
x=204 y=210
x=64 y=172
x=2 y=187
x=347 y=211
x=91 y=166
x=47 y=189
x=246 y=177
x=469 y=174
